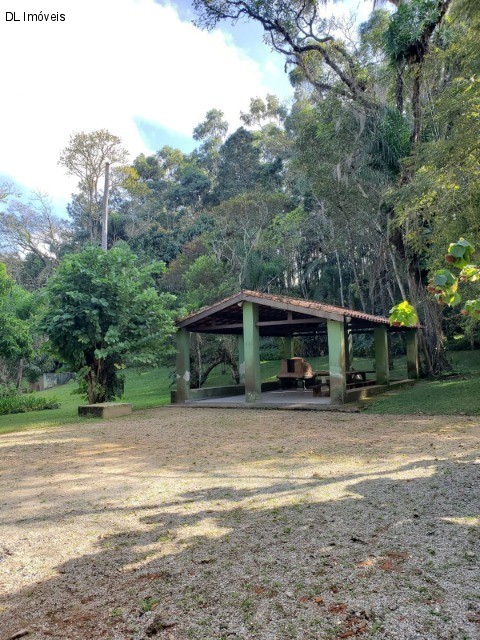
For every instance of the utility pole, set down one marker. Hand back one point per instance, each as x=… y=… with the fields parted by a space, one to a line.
x=105 y=207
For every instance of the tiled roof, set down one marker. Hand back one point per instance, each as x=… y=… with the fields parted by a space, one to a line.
x=320 y=306
x=293 y=304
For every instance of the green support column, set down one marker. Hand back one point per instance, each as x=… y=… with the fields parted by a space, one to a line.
x=183 y=365
x=337 y=361
x=412 y=354
x=251 y=345
x=287 y=347
x=381 y=355
x=241 y=359
x=348 y=348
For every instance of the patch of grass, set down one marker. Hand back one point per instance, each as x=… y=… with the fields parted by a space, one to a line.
x=465 y=361
x=148 y=604
x=439 y=397
x=143 y=390
x=447 y=396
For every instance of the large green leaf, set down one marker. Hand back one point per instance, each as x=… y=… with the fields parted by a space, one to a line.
x=403 y=314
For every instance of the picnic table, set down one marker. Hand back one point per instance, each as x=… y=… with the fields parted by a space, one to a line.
x=299 y=370
x=294 y=370
x=354 y=380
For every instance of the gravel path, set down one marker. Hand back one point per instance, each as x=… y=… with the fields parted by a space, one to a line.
x=218 y=524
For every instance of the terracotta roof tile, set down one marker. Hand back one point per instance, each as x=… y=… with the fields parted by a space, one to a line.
x=320 y=306
x=302 y=305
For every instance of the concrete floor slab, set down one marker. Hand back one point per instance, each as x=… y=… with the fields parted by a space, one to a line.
x=293 y=399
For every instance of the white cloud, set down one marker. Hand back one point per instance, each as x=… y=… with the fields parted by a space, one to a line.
x=109 y=62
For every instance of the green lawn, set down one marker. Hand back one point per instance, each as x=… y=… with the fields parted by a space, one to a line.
x=465 y=361
x=143 y=390
x=454 y=396
x=152 y=389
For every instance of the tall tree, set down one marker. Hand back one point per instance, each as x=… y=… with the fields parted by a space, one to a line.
x=85 y=157
x=32 y=227
x=211 y=134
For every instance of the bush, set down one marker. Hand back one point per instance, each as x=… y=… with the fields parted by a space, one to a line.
x=22 y=403
x=103 y=314
x=7 y=391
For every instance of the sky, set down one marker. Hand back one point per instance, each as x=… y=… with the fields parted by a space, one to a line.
x=138 y=68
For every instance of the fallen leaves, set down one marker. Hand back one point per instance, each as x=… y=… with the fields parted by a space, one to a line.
x=264 y=591
x=474 y=617
x=318 y=600
x=392 y=561
x=369 y=562
x=158 y=575
x=356 y=624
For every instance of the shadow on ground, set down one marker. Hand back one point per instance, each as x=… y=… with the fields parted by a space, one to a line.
x=382 y=558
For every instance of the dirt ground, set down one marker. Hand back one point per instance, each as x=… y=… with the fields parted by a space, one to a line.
x=229 y=524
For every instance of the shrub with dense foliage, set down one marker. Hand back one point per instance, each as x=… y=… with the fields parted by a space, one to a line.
x=16 y=335
x=104 y=313
x=11 y=401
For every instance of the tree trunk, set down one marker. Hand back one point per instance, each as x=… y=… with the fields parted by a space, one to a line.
x=20 y=373
x=340 y=278
x=357 y=282
x=431 y=337
x=416 y=106
x=399 y=89
x=396 y=273
x=234 y=367
x=90 y=379
x=96 y=383
x=206 y=373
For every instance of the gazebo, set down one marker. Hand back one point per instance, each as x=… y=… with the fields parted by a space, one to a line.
x=252 y=315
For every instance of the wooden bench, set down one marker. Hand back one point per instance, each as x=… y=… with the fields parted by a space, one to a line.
x=355 y=379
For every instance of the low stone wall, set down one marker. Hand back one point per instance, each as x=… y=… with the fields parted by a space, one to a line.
x=222 y=392
x=363 y=393
x=50 y=380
